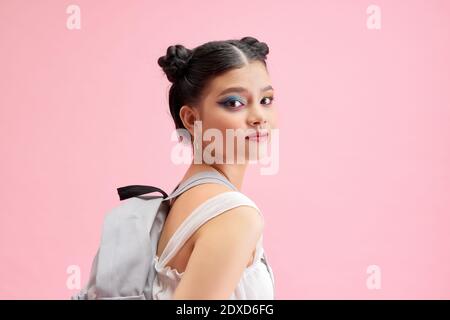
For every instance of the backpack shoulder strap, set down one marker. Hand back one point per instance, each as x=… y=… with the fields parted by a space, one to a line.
x=137 y=190
x=200 y=178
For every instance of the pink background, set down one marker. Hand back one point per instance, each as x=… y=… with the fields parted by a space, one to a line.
x=364 y=119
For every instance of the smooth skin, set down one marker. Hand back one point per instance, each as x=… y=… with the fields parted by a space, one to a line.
x=215 y=257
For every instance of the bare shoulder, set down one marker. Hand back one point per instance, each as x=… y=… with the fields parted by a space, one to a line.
x=243 y=222
x=240 y=218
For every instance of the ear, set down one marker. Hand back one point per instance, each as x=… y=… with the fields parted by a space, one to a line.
x=188 y=116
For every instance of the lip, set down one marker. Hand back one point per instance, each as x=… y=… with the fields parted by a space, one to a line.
x=258 y=136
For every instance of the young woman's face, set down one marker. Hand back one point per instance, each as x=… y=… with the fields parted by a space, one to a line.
x=247 y=108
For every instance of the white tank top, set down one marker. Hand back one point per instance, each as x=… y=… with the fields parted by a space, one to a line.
x=257 y=280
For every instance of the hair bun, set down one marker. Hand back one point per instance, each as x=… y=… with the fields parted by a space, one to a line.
x=175 y=62
x=260 y=47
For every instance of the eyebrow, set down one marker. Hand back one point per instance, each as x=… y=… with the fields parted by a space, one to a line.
x=242 y=89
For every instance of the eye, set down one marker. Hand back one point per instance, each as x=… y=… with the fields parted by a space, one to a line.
x=231 y=103
x=270 y=99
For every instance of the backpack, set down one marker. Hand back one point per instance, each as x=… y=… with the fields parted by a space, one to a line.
x=123 y=267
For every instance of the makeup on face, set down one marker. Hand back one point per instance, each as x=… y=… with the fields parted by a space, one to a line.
x=229 y=101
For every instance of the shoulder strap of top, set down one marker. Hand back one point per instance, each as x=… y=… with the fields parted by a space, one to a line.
x=207 y=210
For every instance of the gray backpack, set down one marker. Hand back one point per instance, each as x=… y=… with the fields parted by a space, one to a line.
x=123 y=266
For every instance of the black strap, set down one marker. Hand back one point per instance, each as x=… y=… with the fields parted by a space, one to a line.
x=137 y=190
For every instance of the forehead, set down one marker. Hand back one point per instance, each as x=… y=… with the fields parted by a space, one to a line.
x=253 y=76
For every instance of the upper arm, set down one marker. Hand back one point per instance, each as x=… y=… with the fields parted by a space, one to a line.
x=220 y=254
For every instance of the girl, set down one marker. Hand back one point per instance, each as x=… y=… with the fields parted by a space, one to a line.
x=211 y=243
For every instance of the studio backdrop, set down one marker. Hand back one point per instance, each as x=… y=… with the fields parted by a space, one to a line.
x=356 y=199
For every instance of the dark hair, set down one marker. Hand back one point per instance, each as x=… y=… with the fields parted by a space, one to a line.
x=190 y=70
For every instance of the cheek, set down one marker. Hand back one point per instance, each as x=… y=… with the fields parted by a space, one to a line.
x=224 y=119
x=273 y=119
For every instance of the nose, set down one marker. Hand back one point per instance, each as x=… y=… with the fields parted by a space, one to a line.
x=257 y=117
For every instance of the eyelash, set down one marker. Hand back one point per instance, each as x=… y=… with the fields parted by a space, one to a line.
x=231 y=99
